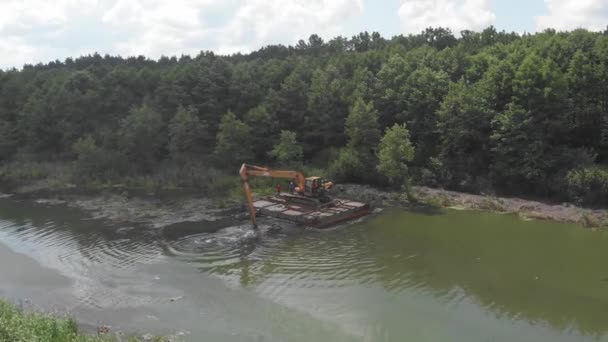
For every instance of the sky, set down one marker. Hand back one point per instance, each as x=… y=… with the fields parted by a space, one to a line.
x=33 y=31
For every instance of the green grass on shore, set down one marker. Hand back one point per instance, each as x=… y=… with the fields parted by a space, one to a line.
x=18 y=326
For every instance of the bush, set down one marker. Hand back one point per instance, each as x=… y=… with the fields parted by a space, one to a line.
x=96 y=163
x=590 y=221
x=347 y=167
x=23 y=170
x=492 y=204
x=587 y=185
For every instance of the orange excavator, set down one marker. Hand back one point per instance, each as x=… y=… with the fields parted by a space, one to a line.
x=311 y=190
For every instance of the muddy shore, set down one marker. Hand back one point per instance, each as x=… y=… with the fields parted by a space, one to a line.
x=159 y=211
x=525 y=208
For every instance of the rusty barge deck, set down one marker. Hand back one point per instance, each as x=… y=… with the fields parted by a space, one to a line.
x=339 y=210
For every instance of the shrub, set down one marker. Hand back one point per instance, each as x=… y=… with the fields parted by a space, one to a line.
x=587 y=185
x=492 y=204
x=590 y=221
x=96 y=163
x=347 y=167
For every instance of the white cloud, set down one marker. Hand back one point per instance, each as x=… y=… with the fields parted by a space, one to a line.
x=572 y=14
x=154 y=28
x=27 y=26
x=458 y=15
x=42 y=30
x=265 y=21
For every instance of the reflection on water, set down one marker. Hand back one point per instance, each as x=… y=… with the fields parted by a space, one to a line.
x=454 y=275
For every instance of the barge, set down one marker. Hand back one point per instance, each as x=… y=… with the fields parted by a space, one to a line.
x=317 y=216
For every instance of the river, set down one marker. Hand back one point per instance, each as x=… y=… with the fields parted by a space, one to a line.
x=436 y=275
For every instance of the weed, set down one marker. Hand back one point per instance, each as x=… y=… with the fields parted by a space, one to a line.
x=492 y=204
x=16 y=325
x=590 y=221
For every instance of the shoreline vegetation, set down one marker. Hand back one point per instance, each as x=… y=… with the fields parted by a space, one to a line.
x=157 y=205
x=526 y=209
x=18 y=325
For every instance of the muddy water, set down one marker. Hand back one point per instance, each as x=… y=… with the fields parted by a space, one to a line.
x=418 y=276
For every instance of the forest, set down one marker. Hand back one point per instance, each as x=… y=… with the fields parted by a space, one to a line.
x=481 y=111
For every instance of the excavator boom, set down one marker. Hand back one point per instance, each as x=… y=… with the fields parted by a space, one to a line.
x=248 y=197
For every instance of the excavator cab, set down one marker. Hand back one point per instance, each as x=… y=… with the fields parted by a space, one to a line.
x=316 y=186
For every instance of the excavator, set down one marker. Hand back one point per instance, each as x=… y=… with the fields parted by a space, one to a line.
x=311 y=191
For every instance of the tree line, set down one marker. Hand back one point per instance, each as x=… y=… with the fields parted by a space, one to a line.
x=478 y=111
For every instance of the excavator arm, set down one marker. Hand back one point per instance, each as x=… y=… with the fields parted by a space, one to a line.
x=251 y=170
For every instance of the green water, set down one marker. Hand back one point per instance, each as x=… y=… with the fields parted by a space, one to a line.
x=439 y=275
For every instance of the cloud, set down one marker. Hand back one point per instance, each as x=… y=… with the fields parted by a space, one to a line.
x=265 y=21
x=572 y=14
x=34 y=31
x=458 y=15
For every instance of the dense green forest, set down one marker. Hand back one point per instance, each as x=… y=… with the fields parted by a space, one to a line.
x=478 y=111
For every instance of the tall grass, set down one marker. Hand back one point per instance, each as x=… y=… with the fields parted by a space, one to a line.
x=18 y=326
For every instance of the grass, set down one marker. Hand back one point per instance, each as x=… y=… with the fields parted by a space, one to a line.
x=439 y=201
x=492 y=204
x=18 y=326
x=591 y=221
x=26 y=171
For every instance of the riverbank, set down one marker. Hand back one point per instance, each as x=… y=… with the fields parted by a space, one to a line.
x=163 y=209
x=525 y=208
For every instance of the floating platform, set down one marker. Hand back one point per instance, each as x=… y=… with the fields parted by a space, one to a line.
x=331 y=213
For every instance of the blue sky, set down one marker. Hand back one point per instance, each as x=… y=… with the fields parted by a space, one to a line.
x=41 y=30
x=518 y=15
x=513 y=15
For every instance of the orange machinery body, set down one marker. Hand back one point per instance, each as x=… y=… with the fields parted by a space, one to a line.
x=306 y=187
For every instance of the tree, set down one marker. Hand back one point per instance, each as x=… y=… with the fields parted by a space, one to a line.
x=142 y=138
x=292 y=110
x=264 y=128
x=41 y=126
x=327 y=111
x=394 y=153
x=233 y=142
x=8 y=140
x=412 y=93
x=288 y=152
x=355 y=161
x=426 y=89
x=465 y=125
x=187 y=135
x=362 y=127
x=521 y=111
x=586 y=111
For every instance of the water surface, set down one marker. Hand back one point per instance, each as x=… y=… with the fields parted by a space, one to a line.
x=439 y=275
